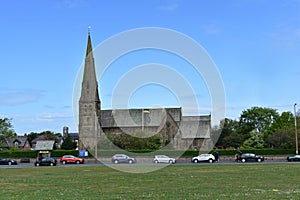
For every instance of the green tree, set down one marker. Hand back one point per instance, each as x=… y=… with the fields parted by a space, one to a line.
x=258 y=119
x=68 y=144
x=229 y=136
x=255 y=141
x=31 y=136
x=283 y=132
x=136 y=141
x=6 y=130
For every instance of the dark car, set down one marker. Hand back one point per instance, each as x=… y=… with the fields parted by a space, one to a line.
x=7 y=161
x=122 y=158
x=251 y=157
x=293 y=158
x=46 y=162
x=71 y=159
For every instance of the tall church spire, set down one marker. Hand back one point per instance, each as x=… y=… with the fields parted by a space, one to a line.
x=89 y=90
x=89 y=48
x=89 y=102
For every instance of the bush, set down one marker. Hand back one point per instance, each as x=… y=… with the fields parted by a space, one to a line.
x=18 y=154
x=232 y=152
x=106 y=153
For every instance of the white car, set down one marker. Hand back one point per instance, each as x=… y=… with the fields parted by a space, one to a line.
x=163 y=159
x=204 y=158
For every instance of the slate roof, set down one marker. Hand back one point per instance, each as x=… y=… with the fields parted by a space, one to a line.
x=195 y=127
x=134 y=117
x=44 y=145
x=74 y=136
x=39 y=138
x=10 y=142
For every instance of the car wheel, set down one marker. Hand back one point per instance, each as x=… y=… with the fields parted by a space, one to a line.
x=155 y=161
x=258 y=160
x=51 y=164
x=210 y=161
x=116 y=161
x=64 y=162
x=9 y=163
x=77 y=162
x=243 y=160
x=171 y=161
x=130 y=161
x=37 y=164
x=195 y=161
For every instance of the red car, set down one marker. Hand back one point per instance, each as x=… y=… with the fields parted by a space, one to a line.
x=71 y=159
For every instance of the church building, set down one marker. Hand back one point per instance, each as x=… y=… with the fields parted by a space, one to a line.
x=181 y=132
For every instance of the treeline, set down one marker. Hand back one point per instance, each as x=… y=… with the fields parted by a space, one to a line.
x=257 y=128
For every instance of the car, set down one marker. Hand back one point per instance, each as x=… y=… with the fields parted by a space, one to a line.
x=122 y=158
x=293 y=158
x=204 y=158
x=246 y=157
x=163 y=159
x=46 y=162
x=8 y=161
x=71 y=159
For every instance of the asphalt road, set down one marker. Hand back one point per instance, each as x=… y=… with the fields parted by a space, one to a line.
x=92 y=163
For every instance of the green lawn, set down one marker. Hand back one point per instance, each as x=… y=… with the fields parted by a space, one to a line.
x=237 y=181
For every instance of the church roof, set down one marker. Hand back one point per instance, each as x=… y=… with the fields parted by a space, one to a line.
x=135 y=117
x=195 y=126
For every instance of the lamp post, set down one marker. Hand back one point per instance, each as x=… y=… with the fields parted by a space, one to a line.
x=296 y=135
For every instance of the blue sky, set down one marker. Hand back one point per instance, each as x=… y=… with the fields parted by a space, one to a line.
x=255 y=45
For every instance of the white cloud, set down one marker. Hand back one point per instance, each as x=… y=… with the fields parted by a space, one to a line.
x=169 y=5
x=286 y=36
x=211 y=29
x=13 y=97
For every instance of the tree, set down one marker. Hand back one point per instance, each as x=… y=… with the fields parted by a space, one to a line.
x=68 y=144
x=6 y=130
x=31 y=136
x=228 y=136
x=133 y=141
x=258 y=119
x=255 y=141
x=283 y=136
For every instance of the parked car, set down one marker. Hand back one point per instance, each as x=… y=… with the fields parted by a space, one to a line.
x=204 y=158
x=122 y=158
x=248 y=157
x=71 y=159
x=293 y=158
x=7 y=161
x=163 y=159
x=46 y=162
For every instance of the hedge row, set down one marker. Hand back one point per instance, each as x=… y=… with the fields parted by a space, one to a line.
x=175 y=153
x=33 y=154
x=224 y=152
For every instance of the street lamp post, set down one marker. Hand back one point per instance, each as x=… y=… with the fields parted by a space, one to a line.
x=296 y=135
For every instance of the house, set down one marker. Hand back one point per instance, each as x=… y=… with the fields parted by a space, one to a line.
x=20 y=142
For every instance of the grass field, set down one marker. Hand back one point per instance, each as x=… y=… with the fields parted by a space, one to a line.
x=249 y=181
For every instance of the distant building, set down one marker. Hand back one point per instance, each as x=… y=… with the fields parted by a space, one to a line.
x=183 y=132
x=20 y=142
x=44 y=148
x=73 y=136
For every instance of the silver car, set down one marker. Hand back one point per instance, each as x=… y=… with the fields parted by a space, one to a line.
x=163 y=159
x=122 y=158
